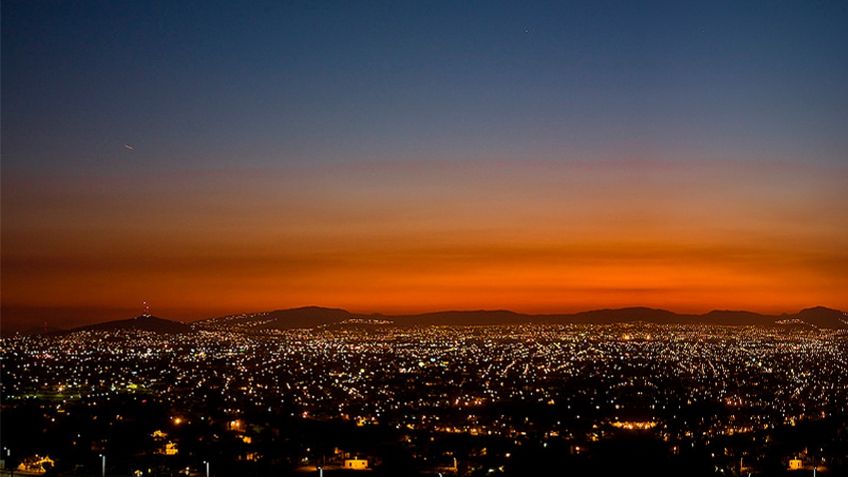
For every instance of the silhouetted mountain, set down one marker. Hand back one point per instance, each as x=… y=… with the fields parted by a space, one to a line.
x=624 y=315
x=312 y=316
x=735 y=317
x=315 y=316
x=143 y=323
x=823 y=317
x=303 y=317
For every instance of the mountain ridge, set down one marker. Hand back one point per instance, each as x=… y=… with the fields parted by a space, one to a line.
x=314 y=316
x=311 y=316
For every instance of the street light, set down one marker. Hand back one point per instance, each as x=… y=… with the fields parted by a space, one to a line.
x=206 y=463
x=102 y=465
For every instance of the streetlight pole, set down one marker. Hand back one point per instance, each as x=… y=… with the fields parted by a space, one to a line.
x=207 y=467
x=102 y=465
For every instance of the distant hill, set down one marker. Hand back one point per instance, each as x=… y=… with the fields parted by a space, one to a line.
x=313 y=316
x=303 y=317
x=823 y=317
x=335 y=318
x=143 y=323
x=736 y=317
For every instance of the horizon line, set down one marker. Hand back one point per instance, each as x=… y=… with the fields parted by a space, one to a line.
x=22 y=323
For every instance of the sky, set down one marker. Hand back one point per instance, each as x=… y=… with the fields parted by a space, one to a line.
x=220 y=157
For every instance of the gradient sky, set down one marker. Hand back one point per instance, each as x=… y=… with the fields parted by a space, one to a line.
x=398 y=157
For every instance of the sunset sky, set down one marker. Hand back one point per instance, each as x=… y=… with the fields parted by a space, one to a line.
x=413 y=156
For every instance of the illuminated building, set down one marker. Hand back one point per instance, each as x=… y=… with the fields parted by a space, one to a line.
x=356 y=464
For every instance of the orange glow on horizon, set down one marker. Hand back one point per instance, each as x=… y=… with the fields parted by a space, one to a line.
x=526 y=237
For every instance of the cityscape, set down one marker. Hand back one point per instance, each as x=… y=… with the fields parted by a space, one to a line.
x=148 y=396
x=423 y=238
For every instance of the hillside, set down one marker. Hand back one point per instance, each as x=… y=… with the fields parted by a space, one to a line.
x=142 y=323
